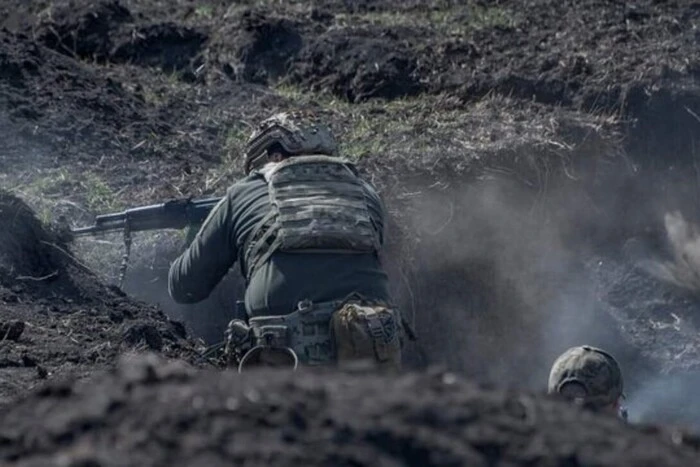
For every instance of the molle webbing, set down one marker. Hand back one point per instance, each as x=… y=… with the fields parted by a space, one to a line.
x=318 y=204
x=306 y=331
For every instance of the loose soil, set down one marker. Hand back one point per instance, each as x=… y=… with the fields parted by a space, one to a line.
x=152 y=412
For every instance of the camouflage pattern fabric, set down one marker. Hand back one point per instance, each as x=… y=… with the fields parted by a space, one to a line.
x=587 y=373
x=367 y=332
x=320 y=334
x=297 y=132
x=318 y=205
x=305 y=331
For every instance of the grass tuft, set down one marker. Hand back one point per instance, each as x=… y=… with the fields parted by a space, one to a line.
x=461 y=20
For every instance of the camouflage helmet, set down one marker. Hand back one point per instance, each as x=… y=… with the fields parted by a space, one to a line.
x=297 y=132
x=589 y=374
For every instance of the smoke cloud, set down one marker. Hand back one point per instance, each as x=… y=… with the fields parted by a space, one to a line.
x=503 y=280
x=504 y=290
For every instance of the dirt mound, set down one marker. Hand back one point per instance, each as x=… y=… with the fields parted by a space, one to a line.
x=84 y=31
x=39 y=77
x=108 y=32
x=472 y=49
x=66 y=103
x=255 y=46
x=358 y=67
x=168 y=46
x=27 y=249
x=383 y=49
x=150 y=412
x=57 y=318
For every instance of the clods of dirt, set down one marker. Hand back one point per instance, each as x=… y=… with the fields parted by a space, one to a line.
x=60 y=96
x=143 y=334
x=152 y=412
x=107 y=31
x=28 y=251
x=168 y=46
x=85 y=31
x=11 y=331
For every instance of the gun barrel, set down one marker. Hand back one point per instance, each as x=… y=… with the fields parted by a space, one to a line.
x=173 y=214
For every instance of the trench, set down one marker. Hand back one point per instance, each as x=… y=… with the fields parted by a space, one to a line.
x=497 y=277
x=505 y=277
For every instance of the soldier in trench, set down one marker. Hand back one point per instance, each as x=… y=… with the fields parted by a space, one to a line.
x=591 y=377
x=307 y=232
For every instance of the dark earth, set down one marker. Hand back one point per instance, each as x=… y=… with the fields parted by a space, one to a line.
x=58 y=319
x=529 y=153
x=129 y=418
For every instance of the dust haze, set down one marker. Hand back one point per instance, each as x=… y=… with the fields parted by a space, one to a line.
x=503 y=279
x=511 y=293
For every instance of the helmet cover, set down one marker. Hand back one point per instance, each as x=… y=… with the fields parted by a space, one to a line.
x=591 y=369
x=298 y=133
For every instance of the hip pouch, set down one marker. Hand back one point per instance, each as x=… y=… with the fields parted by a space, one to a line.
x=329 y=332
x=302 y=336
x=368 y=332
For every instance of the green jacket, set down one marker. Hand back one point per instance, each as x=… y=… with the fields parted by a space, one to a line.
x=284 y=280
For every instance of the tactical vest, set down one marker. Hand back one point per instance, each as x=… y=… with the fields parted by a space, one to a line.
x=318 y=205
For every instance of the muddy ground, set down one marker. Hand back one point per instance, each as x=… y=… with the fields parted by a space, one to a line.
x=153 y=412
x=530 y=155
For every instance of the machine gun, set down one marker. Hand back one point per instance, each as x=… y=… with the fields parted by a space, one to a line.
x=172 y=214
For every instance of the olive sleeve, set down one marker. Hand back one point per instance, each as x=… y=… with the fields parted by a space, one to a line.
x=198 y=270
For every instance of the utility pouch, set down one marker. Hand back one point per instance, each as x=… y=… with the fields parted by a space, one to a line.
x=326 y=333
x=368 y=332
x=304 y=333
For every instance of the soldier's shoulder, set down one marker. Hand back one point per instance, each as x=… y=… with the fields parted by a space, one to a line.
x=251 y=181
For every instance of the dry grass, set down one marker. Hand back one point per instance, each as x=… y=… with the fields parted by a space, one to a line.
x=490 y=135
x=63 y=192
x=421 y=134
x=451 y=21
